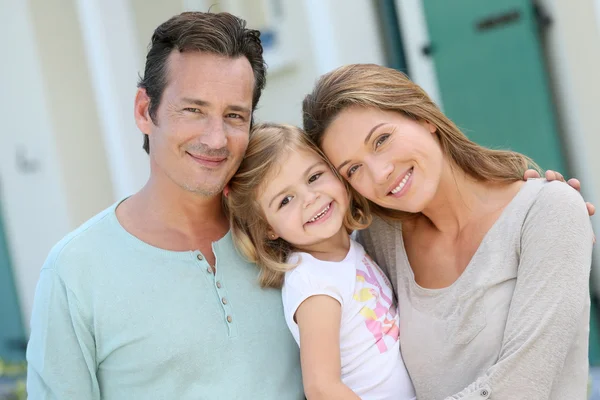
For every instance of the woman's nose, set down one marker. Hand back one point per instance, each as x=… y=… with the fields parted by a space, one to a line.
x=381 y=171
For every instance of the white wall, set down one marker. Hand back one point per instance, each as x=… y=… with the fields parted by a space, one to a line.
x=34 y=203
x=318 y=36
x=573 y=59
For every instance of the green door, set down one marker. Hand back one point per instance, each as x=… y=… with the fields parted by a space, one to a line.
x=12 y=334
x=493 y=83
x=491 y=74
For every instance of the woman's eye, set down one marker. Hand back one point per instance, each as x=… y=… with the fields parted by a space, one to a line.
x=352 y=170
x=314 y=177
x=285 y=200
x=381 y=140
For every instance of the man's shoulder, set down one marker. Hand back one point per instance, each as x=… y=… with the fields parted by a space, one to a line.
x=92 y=237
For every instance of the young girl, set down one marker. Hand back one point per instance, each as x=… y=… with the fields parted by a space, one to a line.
x=291 y=215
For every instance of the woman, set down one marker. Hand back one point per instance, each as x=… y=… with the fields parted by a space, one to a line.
x=491 y=272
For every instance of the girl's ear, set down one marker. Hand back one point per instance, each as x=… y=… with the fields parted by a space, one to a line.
x=271 y=234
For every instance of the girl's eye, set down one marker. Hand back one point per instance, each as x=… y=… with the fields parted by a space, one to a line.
x=285 y=201
x=381 y=140
x=352 y=170
x=314 y=177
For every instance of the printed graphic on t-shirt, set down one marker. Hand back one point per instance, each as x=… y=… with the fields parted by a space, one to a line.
x=374 y=290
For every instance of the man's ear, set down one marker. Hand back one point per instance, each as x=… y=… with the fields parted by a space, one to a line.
x=141 y=111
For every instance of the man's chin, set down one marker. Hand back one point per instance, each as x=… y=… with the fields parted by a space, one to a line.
x=206 y=190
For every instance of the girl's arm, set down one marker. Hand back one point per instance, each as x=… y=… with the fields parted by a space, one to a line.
x=549 y=305
x=318 y=319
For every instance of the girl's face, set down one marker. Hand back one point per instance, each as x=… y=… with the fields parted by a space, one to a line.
x=394 y=161
x=304 y=203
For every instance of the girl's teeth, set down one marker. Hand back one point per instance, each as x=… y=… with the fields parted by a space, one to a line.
x=401 y=185
x=319 y=215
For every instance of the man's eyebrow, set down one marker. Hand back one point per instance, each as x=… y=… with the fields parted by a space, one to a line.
x=197 y=102
x=203 y=103
x=239 y=108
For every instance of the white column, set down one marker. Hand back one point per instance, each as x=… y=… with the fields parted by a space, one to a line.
x=108 y=29
x=343 y=32
x=321 y=31
x=573 y=57
x=413 y=26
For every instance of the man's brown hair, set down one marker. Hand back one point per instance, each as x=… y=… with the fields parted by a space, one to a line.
x=216 y=33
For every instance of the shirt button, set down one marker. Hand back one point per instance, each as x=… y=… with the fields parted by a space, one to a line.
x=209 y=269
x=219 y=285
x=229 y=319
x=199 y=256
x=484 y=393
x=224 y=301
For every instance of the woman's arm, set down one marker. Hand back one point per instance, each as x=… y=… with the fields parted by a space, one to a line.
x=549 y=305
x=318 y=319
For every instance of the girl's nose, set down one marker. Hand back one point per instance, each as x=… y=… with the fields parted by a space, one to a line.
x=310 y=198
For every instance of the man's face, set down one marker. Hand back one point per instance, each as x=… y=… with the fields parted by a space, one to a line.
x=203 y=121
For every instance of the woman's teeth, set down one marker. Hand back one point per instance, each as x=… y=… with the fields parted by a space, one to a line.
x=319 y=215
x=404 y=180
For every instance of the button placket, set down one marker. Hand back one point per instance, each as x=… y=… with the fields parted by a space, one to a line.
x=221 y=291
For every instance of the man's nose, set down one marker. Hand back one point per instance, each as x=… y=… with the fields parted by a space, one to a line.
x=215 y=136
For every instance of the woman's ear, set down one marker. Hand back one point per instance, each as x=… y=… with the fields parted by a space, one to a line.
x=431 y=127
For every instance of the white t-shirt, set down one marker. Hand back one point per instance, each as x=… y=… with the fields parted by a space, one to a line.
x=372 y=365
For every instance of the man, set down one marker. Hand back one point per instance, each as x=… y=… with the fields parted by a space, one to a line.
x=149 y=299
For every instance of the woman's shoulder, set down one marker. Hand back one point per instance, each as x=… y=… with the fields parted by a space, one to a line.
x=378 y=229
x=381 y=241
x=554 y=196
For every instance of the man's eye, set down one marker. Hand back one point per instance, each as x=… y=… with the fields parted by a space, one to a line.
x=193 y=110
x=285 y=201
x=234 y=116
x=314 y=177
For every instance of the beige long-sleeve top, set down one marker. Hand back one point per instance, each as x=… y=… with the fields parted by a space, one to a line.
x=515 y=324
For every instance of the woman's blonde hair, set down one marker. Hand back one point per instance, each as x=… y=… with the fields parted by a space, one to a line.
x=374 y=86
x=268 y=146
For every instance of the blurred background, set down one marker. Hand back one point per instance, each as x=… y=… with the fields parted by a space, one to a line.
x=517 y=74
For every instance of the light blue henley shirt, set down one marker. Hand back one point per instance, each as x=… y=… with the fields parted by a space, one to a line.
x=115 y=318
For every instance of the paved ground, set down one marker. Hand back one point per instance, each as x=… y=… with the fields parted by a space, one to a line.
x=595 y=392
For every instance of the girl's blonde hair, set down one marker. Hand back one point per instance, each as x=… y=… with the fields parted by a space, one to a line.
x=374 y=86
x=268 y=146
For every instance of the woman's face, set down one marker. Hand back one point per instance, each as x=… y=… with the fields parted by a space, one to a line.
x=392 y=160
